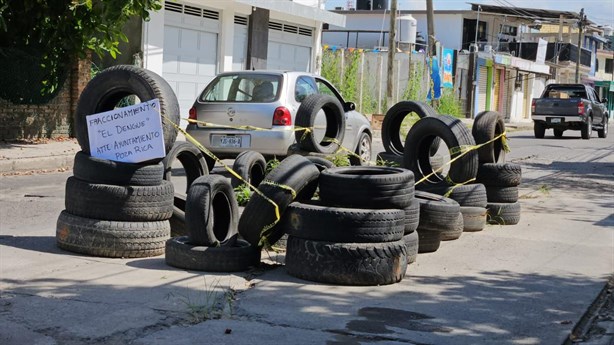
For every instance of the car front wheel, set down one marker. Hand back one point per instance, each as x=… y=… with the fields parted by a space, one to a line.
x=363 y=150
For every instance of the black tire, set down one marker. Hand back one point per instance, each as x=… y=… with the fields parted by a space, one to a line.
x=335 y=123
x=211 y=212
x=502 y=194
x=257 y=223
x=428 y=241
x=310 y=190
x=111 y=238
x=455 y=233
x=318 y=222
x=411 y=243
x=488 y=125
x=182 y=253
x=98 y=170
x=503 y=213
x=558 y=133
x=473 y=194
x=363 y=150
x=455 y=134
x=108 y=87
x=499 y=174
x=437 y=213
x=321 y=163
x=251 y=166
x=389 y=159
x=587 y=129
x=367 y=187
x=190 y=157
x=539 y=130
x=412 y=216
x=603 y=131
x=474 y=218
x=346 y=263
x=121 y=203
x=391 y=126
x=177 y=220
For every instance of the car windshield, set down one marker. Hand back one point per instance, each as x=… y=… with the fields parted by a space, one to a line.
x=253 y=88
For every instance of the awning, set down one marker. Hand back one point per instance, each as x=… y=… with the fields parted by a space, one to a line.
x=294 y=9
x=607 y=84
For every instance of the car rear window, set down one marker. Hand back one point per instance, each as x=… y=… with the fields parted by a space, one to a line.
x=252 y=88
x=566 y=92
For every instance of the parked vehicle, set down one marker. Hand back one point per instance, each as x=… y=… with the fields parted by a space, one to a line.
x=268 y=100
x=569 y=106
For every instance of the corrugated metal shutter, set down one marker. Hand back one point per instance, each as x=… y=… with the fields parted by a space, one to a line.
x=508 y=83
x=497 y=89
x=482 y=88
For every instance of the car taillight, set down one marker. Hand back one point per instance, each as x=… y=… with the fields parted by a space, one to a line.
x=192 y=115
x=580 y=108
x=533 y=107
x=282 y=117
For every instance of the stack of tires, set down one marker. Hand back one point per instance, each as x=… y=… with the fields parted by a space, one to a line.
x=500 y=178
x=445 y=191
x=211 y=218
x=116 y=209
x=360 y=232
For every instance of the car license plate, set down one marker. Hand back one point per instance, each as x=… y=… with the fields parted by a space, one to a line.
x=230 y=141
x=555 y=120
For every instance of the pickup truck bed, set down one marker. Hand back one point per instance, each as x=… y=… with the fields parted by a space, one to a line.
x=569 y=107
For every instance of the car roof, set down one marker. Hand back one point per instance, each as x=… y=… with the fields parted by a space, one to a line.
x=272 y=72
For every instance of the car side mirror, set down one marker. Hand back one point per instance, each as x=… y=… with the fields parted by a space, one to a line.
x=350 y=106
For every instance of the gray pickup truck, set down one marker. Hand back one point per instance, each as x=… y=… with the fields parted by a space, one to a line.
x=569 y=106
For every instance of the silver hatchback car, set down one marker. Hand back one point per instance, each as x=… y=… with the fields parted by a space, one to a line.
x=256 y=110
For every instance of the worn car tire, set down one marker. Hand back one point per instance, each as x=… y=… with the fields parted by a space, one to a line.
x=539 y=130
x=367 y=187
x=319 y=222
x=428 y=241
x=104 y=171
x=115 y=239
x=437 y=213
x=587 y=129
x=321 y=163
x=488 y=125
x=211 y=212
x=346 y=263
x=499 y=174
x=473 y=194
x=455 y=135
x=502 y=194
x=603 y=131
x=257 y=222
x=412 y=216
x=190 y=157
x=182 y=253
x=411 y=243
x=310 y=190
x=177 y=220
x=121 y=203
x=108 y=87
x=391 y=126
x=335 y=123
x=503 y=213
x=474 y=218
x=251 y=166
x=455 y=233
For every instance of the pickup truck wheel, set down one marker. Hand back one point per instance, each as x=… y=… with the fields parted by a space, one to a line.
x=603 y=132
x=558 y=133
x=587 y=129
x=539 y=130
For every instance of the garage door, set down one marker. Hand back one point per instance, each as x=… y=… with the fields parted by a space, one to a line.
x=190 y=50
x=239 y=48
x=289 y=47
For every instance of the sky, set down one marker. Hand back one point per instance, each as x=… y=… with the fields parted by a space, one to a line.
x=598 y=11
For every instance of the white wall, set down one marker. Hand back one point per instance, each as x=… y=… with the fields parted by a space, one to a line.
x=448 y=29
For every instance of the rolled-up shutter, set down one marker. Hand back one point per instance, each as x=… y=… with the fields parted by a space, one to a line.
x=482 y=88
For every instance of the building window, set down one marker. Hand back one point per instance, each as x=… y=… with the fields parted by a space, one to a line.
x=609 y=65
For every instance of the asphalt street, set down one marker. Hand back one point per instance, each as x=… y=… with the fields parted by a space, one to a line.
x=529 y=283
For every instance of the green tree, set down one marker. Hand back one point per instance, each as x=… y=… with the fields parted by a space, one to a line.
x=52 y=33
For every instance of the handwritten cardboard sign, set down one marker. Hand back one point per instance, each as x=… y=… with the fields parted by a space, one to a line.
x=131 y=134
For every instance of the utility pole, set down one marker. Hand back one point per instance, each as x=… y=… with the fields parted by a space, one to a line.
x=431 y=52
x=580 y=28
x=391 y=52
